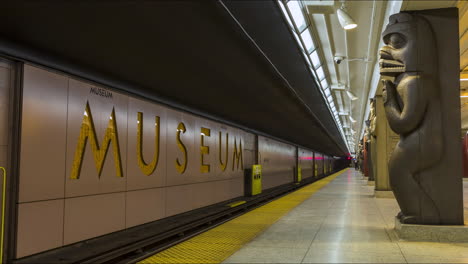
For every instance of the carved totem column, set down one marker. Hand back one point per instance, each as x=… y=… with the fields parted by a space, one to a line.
x=365 y=155
x=373 y=140
x=422 y=105
x=370 y=165
x=386 y=141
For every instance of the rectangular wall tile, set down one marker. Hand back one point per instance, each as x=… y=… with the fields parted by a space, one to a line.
x=222 y=190
x=236 y=187
x=102 y=103
x=174 y=152
x=43 y=135
x=3 y=156
x=179 y=199
x=306 y=162
x=5 y=85
x=136 y=178
x=40 y=227
x=203 y=194
x=235 y=167
x=209 y=141
x=144 y=206
x=278 y=161
x=92 y=216
x=249 y=150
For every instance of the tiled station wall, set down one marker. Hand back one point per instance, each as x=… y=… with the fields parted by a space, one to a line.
x=5 y=87
x=306 y=161
x=60 y=204
x=278 y=161
x=67 y=195
x=329 y=165
x=319 y=162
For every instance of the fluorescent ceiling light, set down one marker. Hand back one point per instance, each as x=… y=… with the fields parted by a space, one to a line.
x=463 y=80
x=307 y=59
x=315 y=59
x=320 y=73
x=308 y=42
x=297 y=39
x=285 y=14
x=345 y=20
x=344 y=113
x=463 y=96
x=296 y=12
x=324 y=83
x=351 y=95
x=352 y=119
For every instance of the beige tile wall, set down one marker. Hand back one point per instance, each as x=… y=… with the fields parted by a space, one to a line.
x=40 y=226
x=319 y=162
x=5 y=85
x=278 y=161
x=43 y=148
x=91 y=216
x=136 y=179
x=90 y=182
x=306 y=161
x=94 y=205
x=143 y=206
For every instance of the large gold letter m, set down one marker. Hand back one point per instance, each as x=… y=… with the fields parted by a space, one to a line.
x=88 y=131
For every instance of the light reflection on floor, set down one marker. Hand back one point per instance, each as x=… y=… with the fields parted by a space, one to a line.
x=345 y=223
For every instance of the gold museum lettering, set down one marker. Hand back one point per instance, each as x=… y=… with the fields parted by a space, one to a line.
x=88 y=133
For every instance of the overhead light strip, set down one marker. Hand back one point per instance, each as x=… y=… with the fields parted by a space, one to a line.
x=293 y=11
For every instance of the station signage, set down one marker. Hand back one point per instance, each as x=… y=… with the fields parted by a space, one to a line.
x=88 y=140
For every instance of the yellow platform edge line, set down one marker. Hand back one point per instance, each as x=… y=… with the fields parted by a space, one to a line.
x=217 y=244
x=234 y=204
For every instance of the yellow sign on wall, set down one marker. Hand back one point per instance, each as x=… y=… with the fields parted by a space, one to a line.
x=256 y=179
x=88 y=133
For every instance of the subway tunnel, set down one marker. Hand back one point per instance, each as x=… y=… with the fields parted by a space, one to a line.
x=206 y=132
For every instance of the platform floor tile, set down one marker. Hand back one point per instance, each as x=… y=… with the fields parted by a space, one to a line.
x=345 y=224
x=217 y=244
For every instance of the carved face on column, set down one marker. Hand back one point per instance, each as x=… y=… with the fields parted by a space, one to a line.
x=409 y=46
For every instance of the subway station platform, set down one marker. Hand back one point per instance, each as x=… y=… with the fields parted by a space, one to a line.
x=334 y=220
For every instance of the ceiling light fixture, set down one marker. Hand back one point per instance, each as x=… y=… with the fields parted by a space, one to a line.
x=345 y=20
x=352 y=119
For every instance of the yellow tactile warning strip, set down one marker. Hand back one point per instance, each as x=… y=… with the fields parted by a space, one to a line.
x=234 y=204
x=217 y=244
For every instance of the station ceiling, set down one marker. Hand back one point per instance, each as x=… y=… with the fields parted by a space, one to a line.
x=236 y=60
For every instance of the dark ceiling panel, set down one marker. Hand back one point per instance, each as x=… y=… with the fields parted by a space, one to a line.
x=264 y=22
x=190 y=53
